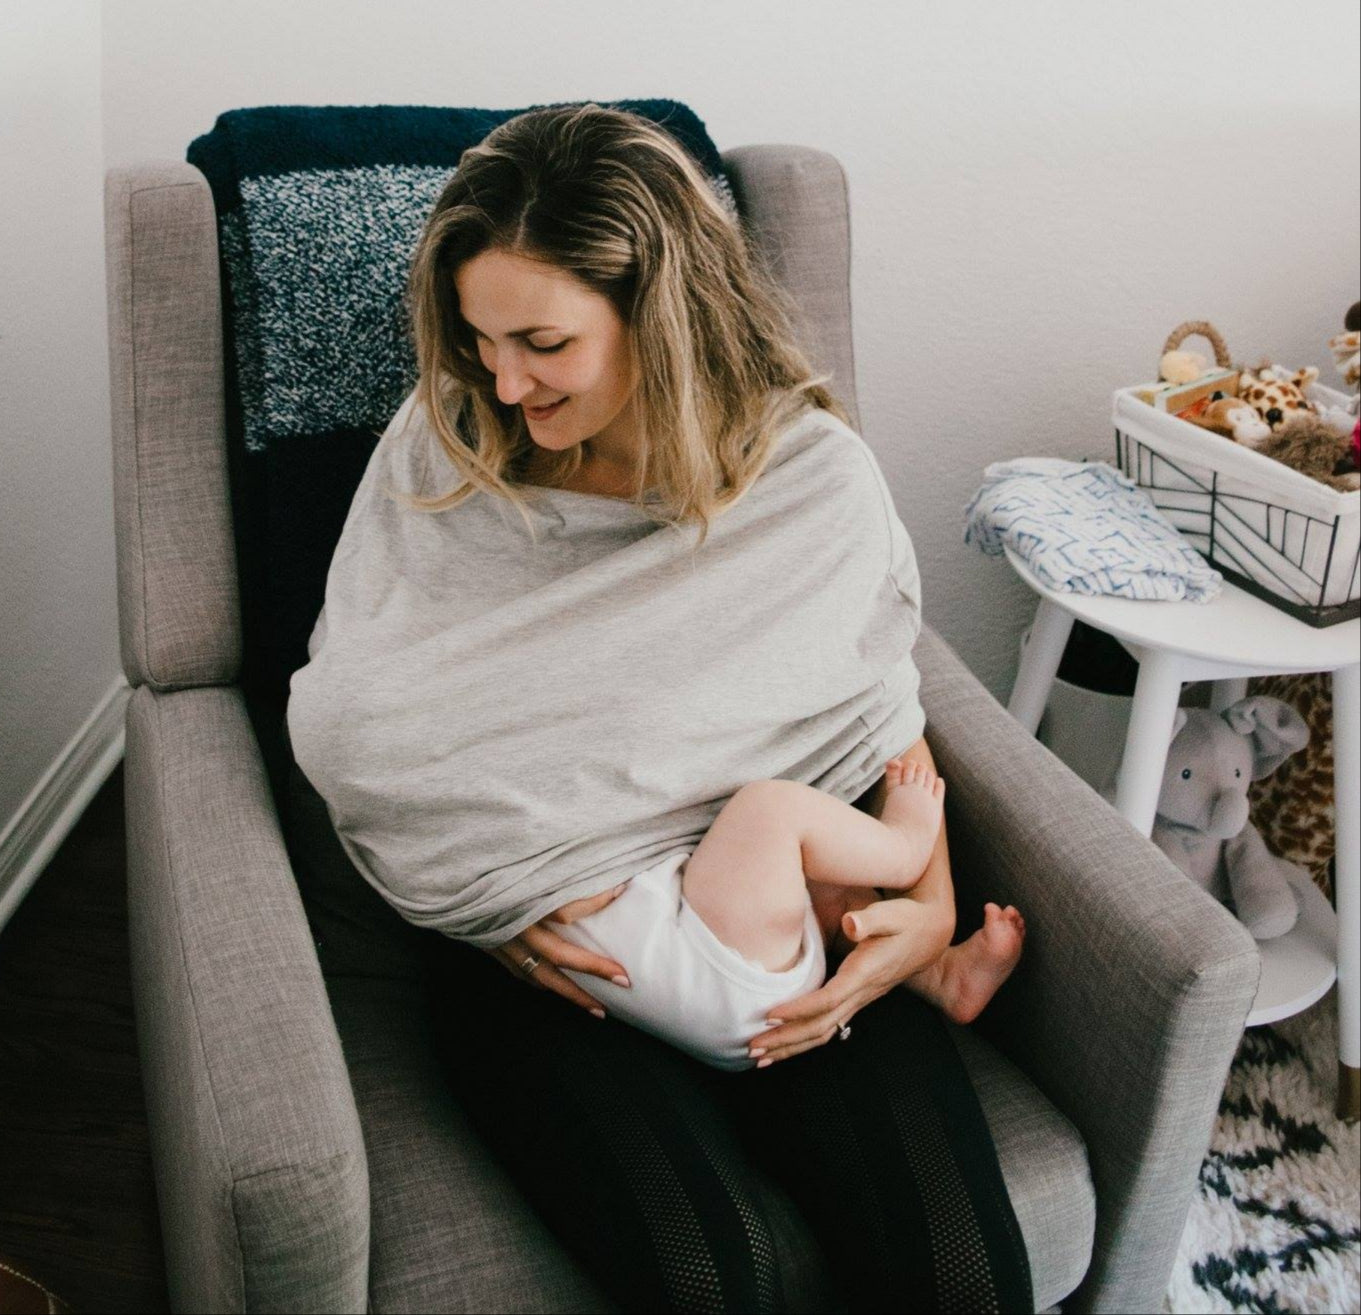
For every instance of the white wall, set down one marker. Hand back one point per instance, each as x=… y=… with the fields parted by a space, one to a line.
x=1039 y=194
x=58 y=619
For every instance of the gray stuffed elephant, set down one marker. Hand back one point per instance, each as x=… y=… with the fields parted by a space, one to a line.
x=1202 y=823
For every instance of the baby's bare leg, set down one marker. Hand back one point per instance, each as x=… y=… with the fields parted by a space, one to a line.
x=748 y=878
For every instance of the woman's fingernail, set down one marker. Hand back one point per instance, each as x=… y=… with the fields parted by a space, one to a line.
x=761 y=1063
x=621 y=981
x=599 y=1013
x=755 y=1054
x=774 y=1022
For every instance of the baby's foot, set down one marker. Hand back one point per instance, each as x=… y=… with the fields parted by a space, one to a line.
x=967 y=976
x=913 y=807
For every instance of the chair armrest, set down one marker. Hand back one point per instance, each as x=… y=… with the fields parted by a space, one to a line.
x=178 y=598
x=260 y=1168
x=1134 y=987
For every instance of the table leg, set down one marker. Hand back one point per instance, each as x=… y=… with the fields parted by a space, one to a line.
x=1347 y=884
x=1039 y=664
x=1156 y=694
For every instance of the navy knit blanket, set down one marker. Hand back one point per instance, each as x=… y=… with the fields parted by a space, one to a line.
x=319 y=210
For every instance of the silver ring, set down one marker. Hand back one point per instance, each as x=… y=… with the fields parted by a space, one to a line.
x=530 y=963
x=844 y=1031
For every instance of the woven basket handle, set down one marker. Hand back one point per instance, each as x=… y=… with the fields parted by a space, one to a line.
x=1206 y=330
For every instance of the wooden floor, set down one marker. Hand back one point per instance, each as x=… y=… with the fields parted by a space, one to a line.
x=77 y=1202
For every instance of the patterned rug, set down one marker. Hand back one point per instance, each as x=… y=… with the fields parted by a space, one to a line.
x=1276 y=1223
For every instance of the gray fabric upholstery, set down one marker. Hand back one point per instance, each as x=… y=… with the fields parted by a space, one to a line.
x=1132 y=990
x=260 y=1167
x=1044 y=1165
x=795 y=203
x=177 y=590
x=1134 y=987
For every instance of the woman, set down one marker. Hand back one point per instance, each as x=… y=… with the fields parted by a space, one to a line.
x=594 y=337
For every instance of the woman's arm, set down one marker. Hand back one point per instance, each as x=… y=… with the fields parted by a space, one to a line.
x=897 y=937
x=935 y=890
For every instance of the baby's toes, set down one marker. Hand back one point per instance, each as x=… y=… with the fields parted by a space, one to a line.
x=938 y=789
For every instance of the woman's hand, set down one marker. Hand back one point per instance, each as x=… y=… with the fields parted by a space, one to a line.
x=893 y=939
x=555 y=953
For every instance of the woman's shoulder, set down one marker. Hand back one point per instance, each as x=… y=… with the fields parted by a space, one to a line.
x=817 y=426
x=823 y=447
x=408 y=464
x=404 y=456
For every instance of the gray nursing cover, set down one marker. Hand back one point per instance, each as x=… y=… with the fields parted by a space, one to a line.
x=498 y=727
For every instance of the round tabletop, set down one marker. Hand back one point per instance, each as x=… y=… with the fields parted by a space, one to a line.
x=1234 y=626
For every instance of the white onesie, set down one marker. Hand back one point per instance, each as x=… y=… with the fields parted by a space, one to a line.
x=688 y=988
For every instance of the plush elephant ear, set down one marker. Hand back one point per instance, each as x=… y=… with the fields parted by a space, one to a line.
x=1274 y=727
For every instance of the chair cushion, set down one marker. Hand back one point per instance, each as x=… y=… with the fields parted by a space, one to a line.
x=1044 y=1165
x=450 y=1231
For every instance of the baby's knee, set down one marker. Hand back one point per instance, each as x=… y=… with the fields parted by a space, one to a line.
x=770 y=798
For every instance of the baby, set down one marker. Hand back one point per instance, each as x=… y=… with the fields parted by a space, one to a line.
x=713 y=937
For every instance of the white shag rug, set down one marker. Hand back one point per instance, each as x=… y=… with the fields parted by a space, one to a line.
x=1276 y=1222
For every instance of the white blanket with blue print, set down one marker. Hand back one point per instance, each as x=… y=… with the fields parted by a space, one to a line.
x=1083 y=527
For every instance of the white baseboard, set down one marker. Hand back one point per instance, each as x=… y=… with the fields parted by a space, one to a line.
x=45 y=818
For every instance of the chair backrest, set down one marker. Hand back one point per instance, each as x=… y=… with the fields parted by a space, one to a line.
x=178 y=543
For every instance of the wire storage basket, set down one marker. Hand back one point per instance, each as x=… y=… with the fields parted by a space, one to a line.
x=1278 y=534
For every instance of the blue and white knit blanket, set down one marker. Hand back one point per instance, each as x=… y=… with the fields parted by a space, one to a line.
x=319 y=210
x=1083 y=527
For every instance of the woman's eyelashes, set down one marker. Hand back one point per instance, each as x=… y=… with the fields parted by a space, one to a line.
x=543 y=351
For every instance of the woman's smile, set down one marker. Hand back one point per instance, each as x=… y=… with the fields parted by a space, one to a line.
x=545 y=412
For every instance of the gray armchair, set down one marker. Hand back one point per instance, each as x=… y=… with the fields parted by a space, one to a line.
x=308 y=1154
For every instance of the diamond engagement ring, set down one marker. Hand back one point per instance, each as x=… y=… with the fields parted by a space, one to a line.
x=531 y=962
x=844 y=1031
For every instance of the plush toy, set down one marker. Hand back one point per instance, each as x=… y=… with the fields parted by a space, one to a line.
x=1275 y=399
x=1293 y=807
x=1347 y=347
x=1202 y=820
x=1232 y=418
x=1311 y=445
x=1182 y=367
x=1347 y=353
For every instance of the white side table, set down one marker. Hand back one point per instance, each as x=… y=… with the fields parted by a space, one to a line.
x=1228 y=640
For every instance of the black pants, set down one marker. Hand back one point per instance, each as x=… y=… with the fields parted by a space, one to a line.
x=640 y=1158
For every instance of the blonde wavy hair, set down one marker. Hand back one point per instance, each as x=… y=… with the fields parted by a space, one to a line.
x=614 y=200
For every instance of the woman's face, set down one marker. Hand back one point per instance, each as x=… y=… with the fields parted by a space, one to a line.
x=546 y=336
